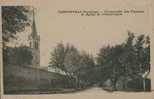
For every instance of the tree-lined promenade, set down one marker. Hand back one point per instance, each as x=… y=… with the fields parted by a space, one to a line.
x=123 y=67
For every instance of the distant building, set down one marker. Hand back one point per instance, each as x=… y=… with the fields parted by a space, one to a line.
x=54 y=70
x=34 y=44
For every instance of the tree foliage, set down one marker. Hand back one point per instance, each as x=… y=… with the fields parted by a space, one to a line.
x=75 y=64
x=130 y=59
x=20 y=56
x=14 y=19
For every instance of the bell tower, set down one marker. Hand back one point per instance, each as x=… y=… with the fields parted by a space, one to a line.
x=34 y=43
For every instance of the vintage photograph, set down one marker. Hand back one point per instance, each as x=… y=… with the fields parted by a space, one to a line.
x=47 y=52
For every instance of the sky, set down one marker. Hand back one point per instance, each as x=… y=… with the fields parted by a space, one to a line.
x=88 y=33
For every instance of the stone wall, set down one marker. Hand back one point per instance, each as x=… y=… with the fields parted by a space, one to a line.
x=28 y=78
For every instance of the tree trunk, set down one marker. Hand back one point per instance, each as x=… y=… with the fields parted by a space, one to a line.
x=114 y=84
x=144 y=85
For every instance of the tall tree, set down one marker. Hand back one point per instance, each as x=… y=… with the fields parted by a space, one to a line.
x=78 y=65
x=142 y=49
x=65 y=58
x=72 y=59
x=86 y=71
x=130 y=59
x=14 y=20
x=147 y=54
x=110 y=62
x=57 y=56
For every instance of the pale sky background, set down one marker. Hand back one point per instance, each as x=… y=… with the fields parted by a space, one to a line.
x=87 y=33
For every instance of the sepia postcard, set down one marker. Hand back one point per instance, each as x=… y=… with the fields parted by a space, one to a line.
x=76 y=49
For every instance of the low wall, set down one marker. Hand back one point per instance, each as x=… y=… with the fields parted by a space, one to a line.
x=28 y=78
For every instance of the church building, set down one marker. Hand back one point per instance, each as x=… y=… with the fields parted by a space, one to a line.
x=34 y=44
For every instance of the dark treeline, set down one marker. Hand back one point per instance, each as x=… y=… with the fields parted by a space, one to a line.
x=126 y=62
x=20 y=56
x=123 y=66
